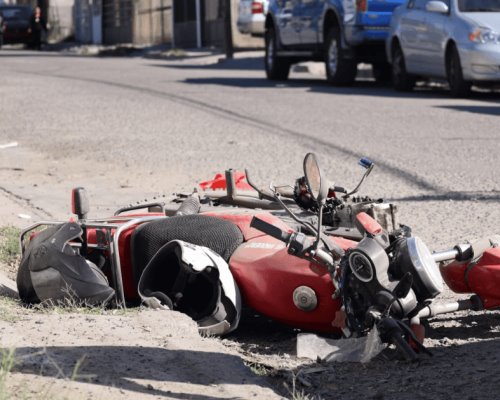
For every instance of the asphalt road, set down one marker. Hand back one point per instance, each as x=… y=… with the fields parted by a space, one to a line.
x=132 y=128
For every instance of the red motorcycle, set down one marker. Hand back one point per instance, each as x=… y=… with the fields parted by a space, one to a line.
x=314 y=256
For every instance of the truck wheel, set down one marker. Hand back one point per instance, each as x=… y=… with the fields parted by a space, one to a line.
x=401 y=80
x=277 y=68
x=339 y=70
x=458 y=86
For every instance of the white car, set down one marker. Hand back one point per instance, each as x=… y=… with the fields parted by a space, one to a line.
x=458 y=40
x=252 y=16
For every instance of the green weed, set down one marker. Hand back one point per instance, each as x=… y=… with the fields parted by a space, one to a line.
x=258 y=369
x=9 y=309
x=6 y=365
x=9 y=245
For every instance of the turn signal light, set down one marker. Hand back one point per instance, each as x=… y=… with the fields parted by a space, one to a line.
x=257 y=8
x=361 y=5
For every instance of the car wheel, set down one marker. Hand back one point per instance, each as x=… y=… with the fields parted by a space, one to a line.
x=277 y=68
x=339 y=70
x=382 y=72
x=401 y=79
x=458 y=86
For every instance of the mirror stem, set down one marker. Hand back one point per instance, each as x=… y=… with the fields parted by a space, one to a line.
x=320 y=223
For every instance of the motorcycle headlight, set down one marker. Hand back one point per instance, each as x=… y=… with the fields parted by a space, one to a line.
x=415 y=257
x=484 y=35
x=425 y=266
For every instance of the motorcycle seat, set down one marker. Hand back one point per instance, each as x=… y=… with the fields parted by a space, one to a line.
x=219 y=235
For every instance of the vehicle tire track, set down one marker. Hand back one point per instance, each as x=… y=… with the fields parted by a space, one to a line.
x=266 y=126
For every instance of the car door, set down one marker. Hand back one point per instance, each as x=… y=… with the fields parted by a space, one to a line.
x=413 y=35
x=311 y=12
x=288 y=21
x=438 y=34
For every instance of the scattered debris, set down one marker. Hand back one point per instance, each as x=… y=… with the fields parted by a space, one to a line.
x=361 y=349
x=8 y=145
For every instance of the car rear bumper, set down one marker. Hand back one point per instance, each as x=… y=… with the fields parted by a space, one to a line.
x=254 y=25
x=356 y=35
x=17 y=37
x=481 y=63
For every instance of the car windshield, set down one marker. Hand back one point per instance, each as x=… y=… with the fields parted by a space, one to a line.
x=15 y=12
x=479 y=5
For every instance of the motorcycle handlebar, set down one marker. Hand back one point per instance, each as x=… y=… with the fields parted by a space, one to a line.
x=270 y=229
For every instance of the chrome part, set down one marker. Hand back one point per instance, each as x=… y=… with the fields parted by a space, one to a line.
x=361 y=267
x=270 y=53
x=333 y=57
x=425 y=265
x=370 y=251
x=446 y=255
x=436 y=309
x=305 y=298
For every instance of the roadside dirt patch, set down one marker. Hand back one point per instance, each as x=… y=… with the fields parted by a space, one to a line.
x=138 y=354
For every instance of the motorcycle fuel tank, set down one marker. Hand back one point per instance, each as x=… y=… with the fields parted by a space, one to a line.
x=269 y=277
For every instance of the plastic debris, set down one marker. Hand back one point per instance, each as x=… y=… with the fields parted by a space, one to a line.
x=361 y=349
x=7 y=145
x=24 y=216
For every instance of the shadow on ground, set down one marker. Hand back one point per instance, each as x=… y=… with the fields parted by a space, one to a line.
x=123 y=366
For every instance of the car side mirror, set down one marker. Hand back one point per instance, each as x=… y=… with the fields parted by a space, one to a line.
x=437 y=7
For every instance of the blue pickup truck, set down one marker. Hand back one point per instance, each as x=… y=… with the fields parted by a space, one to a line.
x=342 y=33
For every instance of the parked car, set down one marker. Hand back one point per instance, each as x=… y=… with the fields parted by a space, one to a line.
x=340 y=33
x=251 y=16
x=17 y=24
x=458 y=40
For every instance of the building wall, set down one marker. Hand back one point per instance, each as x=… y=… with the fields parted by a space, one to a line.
x=146 y=22
x=152 y=21
x=61 y=19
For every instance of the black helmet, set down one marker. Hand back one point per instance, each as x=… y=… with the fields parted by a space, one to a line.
x=52 y=270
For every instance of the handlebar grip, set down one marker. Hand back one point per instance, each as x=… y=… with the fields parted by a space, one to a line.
x=270 y=229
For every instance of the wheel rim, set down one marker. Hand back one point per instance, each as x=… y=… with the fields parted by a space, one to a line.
x=333 y=57
x=270 y=51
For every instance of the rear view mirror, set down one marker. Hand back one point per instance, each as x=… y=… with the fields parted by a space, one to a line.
x=314 y=178
x=437 y=7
